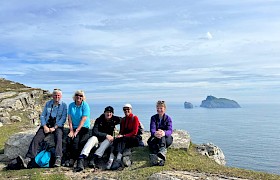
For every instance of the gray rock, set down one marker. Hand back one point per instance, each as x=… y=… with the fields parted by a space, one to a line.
x=7 y=94
x=1 y=124
x=4 y=114
x=213 y=152
x=213 y=102
x=178 y=175
x=5 y=120
x=16 y=119
x=18 y=144
x=188 y=105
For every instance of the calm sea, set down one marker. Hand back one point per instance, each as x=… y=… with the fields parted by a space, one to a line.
x=249 y=136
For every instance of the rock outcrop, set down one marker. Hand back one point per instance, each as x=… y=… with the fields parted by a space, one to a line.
x=17 y=98
x=188 y=105
x=213 y=152
x=213 y=102
x=18 y=143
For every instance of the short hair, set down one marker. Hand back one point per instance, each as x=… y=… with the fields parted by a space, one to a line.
x=57 y=91
x=161 y=103
x=80 y=92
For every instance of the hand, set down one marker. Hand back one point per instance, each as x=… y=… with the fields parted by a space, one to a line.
x=52 y=129
x=71 y=134
x=109 y=137
x=46 y=129
x=75 y=133
x=119 y=136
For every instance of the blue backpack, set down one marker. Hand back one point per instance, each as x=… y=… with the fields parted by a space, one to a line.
x=43 y=158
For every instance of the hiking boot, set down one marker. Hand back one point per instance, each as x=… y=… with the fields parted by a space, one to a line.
x=161 y=162
x=126 y=161
x=80 y=165
x=154 y=159
x=24 y=161
x=109 y=164
x=69 y=163
x=162 y=153
x=117 y=164
x=91 y=163
x=127 y=152
x=57 y=162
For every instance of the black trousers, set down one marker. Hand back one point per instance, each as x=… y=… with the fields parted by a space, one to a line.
x=39 y=137
x=155 y=143
x=75 y=146
x=119 y=144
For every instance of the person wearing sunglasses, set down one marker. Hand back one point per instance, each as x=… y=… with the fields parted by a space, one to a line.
x=79 y=124
x=161 y=139
x=52 y=120
x=127 y=138
x=102 y=137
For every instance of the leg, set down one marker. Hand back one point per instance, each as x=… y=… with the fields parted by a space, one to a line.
x=93 y=141
x=153 y=144
x=168 y=140
x=103 y=146
x=34 y=145
x=58 y=142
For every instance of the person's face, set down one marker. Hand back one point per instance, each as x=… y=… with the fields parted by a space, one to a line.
x=78 y=98
x=108 y=115
x=160 y=110
x=127 y=111
x=57 y=96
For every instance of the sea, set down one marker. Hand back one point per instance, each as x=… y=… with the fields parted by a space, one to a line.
x=248 y=136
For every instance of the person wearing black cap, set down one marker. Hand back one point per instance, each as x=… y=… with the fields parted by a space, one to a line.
x=102 y=135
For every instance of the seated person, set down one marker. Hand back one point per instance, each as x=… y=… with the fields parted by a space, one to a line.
x=52 y=119
x=103 y=133
x=127 y=138
x=161 y=139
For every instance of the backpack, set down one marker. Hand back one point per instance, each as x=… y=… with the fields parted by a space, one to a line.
x=43 y=158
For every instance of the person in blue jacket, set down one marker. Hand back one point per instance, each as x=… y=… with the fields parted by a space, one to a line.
x=79 y=124
x=52 y=120
x=161 y=139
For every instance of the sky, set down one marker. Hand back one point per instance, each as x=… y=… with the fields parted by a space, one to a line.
x=143 y=50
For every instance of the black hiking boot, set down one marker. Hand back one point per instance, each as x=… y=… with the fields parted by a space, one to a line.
x=80 y=165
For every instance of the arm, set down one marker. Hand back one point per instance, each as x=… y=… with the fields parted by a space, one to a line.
x=60 y=122
x=83 y=120
x=44 y=116
x=169 y=130
x=95 y=130
x=153 y=125
x=71 y=133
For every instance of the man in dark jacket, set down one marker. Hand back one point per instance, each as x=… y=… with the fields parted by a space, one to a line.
x=102 y=135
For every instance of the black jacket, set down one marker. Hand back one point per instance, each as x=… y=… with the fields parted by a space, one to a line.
x=102 y=127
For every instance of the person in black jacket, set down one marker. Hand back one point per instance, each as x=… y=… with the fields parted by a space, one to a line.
x=102 y=135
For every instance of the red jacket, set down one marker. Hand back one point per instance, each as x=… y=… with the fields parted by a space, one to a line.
x=129 y=126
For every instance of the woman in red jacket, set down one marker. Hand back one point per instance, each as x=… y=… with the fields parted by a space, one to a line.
x=127 y=138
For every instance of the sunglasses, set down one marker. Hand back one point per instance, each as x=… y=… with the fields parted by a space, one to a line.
x=126 y=109
x=57 y=89
x=79 y=95
x=161 y=102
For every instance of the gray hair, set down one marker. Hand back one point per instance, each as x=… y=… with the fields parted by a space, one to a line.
x=57 y=91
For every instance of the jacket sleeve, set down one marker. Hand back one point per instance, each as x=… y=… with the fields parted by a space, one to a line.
x=153 y=125
x=60 y=122
x=169 y=130
x=95 y=131
x=134 y=126
x=44 y=115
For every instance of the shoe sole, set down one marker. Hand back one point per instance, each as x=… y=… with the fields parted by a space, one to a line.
x=154 y=159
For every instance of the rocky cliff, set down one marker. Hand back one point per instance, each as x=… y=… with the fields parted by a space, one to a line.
x=213 y=102
x=19 y=102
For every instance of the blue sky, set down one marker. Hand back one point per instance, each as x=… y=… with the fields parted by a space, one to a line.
x=143 y=51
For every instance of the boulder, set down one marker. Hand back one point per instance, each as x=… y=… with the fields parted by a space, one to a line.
x=16 y=119
x=7 y=94
x=18 y=143
x=5 y=120
x=213 y=102
x=4 y=114
x=213 y=152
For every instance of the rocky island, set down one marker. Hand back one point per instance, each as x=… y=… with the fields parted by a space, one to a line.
x=213 y=102
x=188 y=105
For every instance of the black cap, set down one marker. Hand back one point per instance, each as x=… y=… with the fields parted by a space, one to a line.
x=109 y=108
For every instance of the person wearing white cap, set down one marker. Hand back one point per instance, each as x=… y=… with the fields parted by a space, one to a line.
x=127 y=137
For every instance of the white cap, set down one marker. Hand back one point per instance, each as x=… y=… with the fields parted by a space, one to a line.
x=127 y=105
